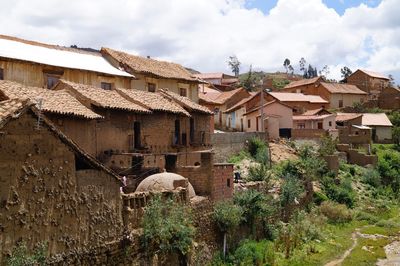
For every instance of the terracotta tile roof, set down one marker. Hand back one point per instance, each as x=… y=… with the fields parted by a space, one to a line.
x=16 y=107
x=11 y=108
x=185 y=102
x=145 y=65
x=311 y=117
x=266 y=104
x=296 y=97
x=208 y=94
x=58 y=102
x=241 y=103
x=342 y=88
x=380 y=119
x=217 y=97
x=315 y=111
x=153 y=101
x=340 y=117
x=109 y=99
x=302 y=82
x=54 y=55
x=373 y=74
x=217 y=75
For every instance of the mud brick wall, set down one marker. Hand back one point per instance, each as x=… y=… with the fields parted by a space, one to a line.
x=222 y=185
x=227 y=144
x=43 y=198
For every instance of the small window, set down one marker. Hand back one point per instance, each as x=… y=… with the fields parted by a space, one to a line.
x=1 y=74
x=216 y=110
x=320 y=125
x=340 y=103
x=330 y=123
x=228 y=182
x=51 y=80
x=248 y=123
x=151 y=87
x=301 y=126
x=183 y=92
x=106 y=86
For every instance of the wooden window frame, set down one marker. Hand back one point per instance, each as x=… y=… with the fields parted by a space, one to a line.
x=1 y=74
x=106 y=85
x=151 y=85
x=183 y=92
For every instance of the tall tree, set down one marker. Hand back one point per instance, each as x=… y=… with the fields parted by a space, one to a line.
x=346 y=72
x=291 y=69
x=249 y=81
x=302 y=64
x=286 y=64
x=234 y=64
x=391 y=81
x=325 y=71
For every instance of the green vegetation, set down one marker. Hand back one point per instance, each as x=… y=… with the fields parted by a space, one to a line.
x=296 y=229
x=21 y=257
x=167 y=227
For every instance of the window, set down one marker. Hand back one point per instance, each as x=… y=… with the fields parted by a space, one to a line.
x=177 y=133
x=51 y=80
x=330 y=123
x=320 y=125
x=216 y=110
x=249 y=123
x=301 y=126
x=228 y=182
x=183 y=92
x=1 y=74
x=151 y=87
x=106 y=86
x=340 y=103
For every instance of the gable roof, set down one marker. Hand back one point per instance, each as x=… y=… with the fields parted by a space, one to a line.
x=372 y=74
x=208 y=93
x=316 y=111
x=14 y=108
x=296 y=97
x=109 y=99
x=302 y=82
x=266 y=104
x=311 y=117
x=185 y=102
x=380 y=119
x=241 y=102
x=218 y=97
x=143 y=65
x=53 y=55
x=152 y=100
x=58 y=102
x=342 y=88
x=341 y=117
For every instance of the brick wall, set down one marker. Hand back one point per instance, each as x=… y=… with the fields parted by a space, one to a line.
x=222 y=183
x=308 y=133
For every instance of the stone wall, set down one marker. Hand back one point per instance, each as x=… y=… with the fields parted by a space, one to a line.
x=227 y=144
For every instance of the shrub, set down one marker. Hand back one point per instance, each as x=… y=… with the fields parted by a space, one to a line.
x=290 y=193
x=371 y=177
x=227 y=215
x=389 y=168
x=342 y=193
x=387 y=224
x=319 y=197
x=255 y=144
x=259 y=172
x=365 y=216
x=262 y=156
x=237 y=158
x=327 y=146
x=255 y=253
x=336 y=213
x=167 y=227
x=20 y=255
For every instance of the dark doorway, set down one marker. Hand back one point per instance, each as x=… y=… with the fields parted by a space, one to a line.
x=170 y=162
x=136 y=131
x=177 y=132
x=191 y=130
x=319 y=125
x=285 y=133
x=374 y=137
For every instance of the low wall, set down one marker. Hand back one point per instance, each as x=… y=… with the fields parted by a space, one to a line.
x=356 y=157
x=227 y=144
x=308 y=133
x=332 y=162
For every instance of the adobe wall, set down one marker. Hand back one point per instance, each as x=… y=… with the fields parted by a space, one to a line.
x=227 y=144
x=222 y=185
x=308 y=133
x=45 y=199
x=31 y=74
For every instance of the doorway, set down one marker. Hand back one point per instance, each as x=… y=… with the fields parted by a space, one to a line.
x=137 y=135
x=177 y=132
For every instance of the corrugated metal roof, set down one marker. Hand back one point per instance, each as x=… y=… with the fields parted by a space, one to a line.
x=47 y=55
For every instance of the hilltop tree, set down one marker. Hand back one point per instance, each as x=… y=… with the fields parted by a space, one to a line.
x=302 y=64
x=248 y=83
x=311 y=72
x=286 y=64
x=234 y=64
x=291 y=69
x=391 y=80
x=346 y=72
x=325 y=71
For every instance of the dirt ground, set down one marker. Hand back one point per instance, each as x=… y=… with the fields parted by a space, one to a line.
x=280 y=151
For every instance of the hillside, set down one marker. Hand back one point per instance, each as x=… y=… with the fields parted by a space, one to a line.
x=275 y=81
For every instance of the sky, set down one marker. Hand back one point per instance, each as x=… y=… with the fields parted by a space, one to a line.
x=202 y=34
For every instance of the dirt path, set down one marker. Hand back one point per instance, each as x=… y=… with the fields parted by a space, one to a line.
x=393 y=255
x=354 y=237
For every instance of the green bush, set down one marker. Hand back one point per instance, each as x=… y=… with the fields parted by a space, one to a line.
x=387 y=224
x=255 y=253
x=258 y=172
x=365 y=216
x=227 y=215
x=262 y=156
x=327 y=146
x=167 y=227
x=255 y=144
x=21 y=257
x=319 y=197
x=371 y=177
x=342 y=193
x=335 y=212
x=389 y=168
x=237 y=158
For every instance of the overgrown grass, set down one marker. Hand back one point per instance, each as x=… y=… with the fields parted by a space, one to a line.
x=237 y=158
x=367 y=252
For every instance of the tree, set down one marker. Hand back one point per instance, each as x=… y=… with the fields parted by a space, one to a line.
x=167 y=227
x=346 y=72
x=248 y=84
x=325 y=71
x=311 y=72
x=291 y=69
x=234 y=64
x=286 y=64
x=302 y=64
x=391 y=81
x=227 y=216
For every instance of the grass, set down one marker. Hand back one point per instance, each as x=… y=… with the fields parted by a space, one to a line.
x=360 y=256
x=237 y=158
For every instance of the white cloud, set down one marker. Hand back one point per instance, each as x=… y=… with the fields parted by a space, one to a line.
x=202 y=33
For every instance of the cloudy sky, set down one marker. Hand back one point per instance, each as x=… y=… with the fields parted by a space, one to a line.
x=202 y=34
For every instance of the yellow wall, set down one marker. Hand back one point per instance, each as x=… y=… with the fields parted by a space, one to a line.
x=348 y=99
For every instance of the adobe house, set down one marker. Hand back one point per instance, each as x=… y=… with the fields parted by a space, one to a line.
x=42 y=65
x=51 y=190
x=389 y=98
x=153 y=75
x=313 y=126
x=221 y=81
x=368 y=81
x=298 y=101
x=219 y=102
x=303 y=85
x=337 y=94
x=67 y=113
x=278 y=121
